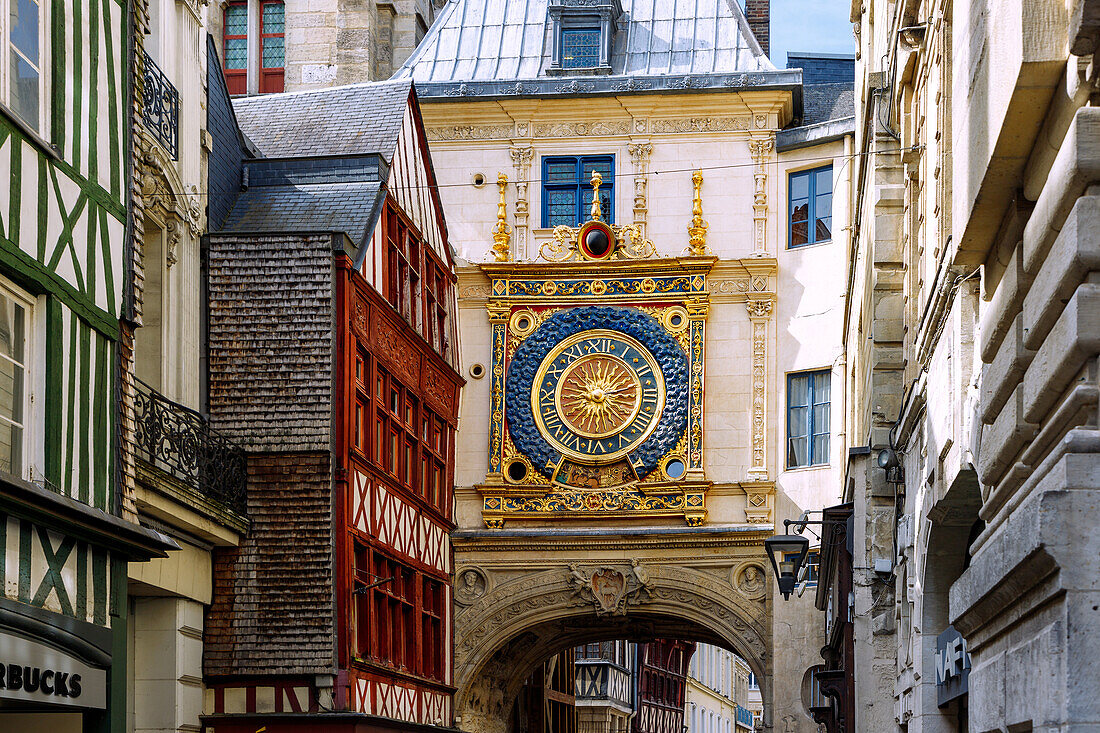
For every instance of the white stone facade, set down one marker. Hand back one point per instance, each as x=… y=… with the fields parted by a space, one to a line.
x=972 y=337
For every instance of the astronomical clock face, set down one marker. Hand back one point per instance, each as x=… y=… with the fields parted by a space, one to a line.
x=597 y=397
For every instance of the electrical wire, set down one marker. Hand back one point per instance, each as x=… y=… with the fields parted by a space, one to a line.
x=847 y=158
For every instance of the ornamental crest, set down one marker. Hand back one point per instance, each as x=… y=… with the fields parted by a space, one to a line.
x=610 y=590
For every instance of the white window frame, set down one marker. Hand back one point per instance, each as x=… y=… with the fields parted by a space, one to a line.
x=34 y=379
x=44 y=57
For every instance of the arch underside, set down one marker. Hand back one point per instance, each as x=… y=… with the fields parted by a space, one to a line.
x=502 y=637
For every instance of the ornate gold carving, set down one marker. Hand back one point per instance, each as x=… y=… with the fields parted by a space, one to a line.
x=599 y=395
x=596 y=214
x=523 y=322
x=675 y=319
x=629 y=244
x=502 y=233
x=760 y=310
x=697 y=231
x=596 y=395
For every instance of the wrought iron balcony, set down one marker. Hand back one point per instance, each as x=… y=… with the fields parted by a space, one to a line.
x=180 y=442
x=744 y=716
x=161 y=110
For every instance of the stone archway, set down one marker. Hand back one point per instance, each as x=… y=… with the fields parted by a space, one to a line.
x=523 y=596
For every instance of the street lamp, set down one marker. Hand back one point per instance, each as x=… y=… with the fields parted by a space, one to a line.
x=787 y=553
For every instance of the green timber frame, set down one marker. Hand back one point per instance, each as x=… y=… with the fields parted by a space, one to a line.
x=65 y=538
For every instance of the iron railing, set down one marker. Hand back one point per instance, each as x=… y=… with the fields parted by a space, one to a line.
x=161 y=110
x=180 y=442
x=744 y=716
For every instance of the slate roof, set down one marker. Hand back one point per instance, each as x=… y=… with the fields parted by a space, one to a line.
x=325 y=207
x=327 y=153
x=828 y=113
x=480 y=41
x=823 y=102
x=348 y=120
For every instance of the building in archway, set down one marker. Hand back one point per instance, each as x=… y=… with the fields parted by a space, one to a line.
x=648 y=395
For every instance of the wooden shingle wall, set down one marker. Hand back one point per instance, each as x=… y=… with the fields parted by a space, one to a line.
x=273 y=609
x=270 y=340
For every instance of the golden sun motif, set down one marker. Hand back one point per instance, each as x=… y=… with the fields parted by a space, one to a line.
x=599 y=395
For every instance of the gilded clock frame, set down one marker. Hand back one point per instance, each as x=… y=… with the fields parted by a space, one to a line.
x=676 y=289
x=540 y=375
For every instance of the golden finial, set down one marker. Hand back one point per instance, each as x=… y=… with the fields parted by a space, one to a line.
x=697 y=232
x=597 y=179
x=502 y=233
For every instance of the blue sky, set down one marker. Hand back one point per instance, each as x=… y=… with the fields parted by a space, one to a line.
x=810 y=25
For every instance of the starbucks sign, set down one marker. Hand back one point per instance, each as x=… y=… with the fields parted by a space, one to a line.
x=38 y=673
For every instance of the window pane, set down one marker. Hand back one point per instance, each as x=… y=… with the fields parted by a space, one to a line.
x=563 y=208
x=561 y=172
x=800 y=212
x=823 y=179
x=273 y=52
x=798 y=393
x=821 y=449
x=580 y=48
x=11 y=443
x=603 y=167
x=800 y=186
x=236 y=20
x=821 y=419
x=823 y=232
x=24 y=28
x=822 y=384
x=273 y=18
x=799 y=234
x=236 y=53
x=24 y=89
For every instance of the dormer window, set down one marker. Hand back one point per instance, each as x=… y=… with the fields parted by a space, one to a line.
x=580 y=48
x=582 y=33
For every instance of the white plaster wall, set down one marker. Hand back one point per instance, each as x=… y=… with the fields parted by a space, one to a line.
x=809 y=321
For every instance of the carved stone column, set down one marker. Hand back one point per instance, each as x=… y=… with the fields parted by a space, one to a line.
x=521 y=162
x=760 y=306
x=639 y=154
x=760 y=148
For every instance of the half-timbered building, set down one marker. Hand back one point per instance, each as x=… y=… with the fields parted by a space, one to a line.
x=67 y=530
x=662 y=682
x=332 y=360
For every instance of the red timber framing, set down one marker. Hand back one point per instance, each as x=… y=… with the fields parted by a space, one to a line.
x=662 y=686
x=396 y=444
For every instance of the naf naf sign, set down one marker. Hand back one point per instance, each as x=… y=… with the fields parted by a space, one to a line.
x=952 y=666
x=38 y=673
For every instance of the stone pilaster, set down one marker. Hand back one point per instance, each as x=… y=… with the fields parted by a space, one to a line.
x=639 y=155
x=521 y=163
x=760 y=307
x=761 y=149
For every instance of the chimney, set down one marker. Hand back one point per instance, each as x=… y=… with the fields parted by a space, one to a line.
x=759 y=15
